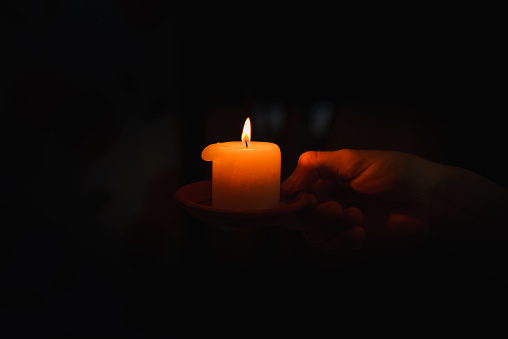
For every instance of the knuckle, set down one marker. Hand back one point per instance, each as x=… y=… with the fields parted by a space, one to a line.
x=346 y=153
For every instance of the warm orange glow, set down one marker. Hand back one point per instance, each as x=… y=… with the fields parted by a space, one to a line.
x=246 y=133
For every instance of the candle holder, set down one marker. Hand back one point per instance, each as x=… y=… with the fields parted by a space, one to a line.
x=196 y=198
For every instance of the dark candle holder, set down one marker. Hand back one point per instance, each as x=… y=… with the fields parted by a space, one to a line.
x=196 y=198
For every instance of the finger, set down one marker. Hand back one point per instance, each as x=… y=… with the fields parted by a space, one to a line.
x=311 y=167
x=302 y=220
x=353 y=217
x=328 y=190
x=313 y=222
x=328 y=212
x=345 y=241
x=319 y=218
x=337 y=165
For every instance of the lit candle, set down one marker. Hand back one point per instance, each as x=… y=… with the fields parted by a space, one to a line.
x=245 y=174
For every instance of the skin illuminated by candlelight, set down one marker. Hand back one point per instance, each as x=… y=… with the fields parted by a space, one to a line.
x=373 y=198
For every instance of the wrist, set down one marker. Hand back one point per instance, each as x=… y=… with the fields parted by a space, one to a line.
x=463 y=201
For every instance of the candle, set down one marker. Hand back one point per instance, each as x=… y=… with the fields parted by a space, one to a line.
x=245 y=174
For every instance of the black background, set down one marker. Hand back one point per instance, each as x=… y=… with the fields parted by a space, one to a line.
x=107 y=105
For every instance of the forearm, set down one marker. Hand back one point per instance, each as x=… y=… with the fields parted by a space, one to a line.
x=463 y=199
x=469 y=213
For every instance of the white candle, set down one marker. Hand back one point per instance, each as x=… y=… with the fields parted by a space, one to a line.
x=245 y=174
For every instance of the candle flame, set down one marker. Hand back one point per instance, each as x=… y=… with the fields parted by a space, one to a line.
x=246 y=133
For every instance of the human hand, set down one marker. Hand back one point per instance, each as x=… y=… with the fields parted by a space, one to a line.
x=363 y=197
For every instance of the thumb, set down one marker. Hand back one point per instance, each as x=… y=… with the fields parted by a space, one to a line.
x=311 y=167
